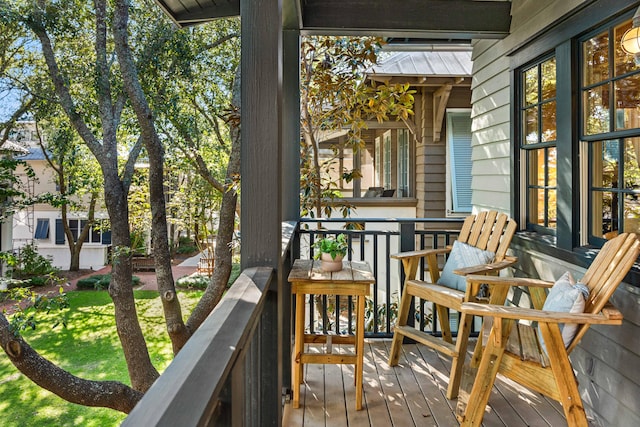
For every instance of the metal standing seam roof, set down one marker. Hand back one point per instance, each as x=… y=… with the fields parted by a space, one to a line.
x=425 y=64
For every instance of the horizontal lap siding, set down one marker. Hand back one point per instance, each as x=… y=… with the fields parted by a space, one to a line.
x=490 y=128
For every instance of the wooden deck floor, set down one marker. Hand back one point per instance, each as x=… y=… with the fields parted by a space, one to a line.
x=410 y=394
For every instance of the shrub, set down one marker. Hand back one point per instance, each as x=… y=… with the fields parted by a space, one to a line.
x=201 y=281
x=194 y=281
x=186 y=249
x=100 y=282
x=29 y=266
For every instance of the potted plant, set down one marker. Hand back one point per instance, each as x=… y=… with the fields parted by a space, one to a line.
x=331 y=251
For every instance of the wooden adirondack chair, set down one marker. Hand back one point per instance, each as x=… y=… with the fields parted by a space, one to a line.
x=488 y=231
x=516 y=352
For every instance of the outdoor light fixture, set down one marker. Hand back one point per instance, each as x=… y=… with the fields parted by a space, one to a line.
x=631 y=38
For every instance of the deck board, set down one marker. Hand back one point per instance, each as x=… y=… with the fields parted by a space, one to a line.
x=410 y=394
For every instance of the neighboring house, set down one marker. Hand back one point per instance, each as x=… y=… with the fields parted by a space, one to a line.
x=421 y=167
x=41 y=224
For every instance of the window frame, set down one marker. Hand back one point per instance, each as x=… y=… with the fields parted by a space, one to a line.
x=525 y=149
x=589 y=140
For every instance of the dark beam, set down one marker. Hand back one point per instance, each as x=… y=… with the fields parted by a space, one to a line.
x=439 y=19
x=186 y=14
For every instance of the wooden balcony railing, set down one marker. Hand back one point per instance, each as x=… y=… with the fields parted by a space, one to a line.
x=206 y=384
x=221 y=378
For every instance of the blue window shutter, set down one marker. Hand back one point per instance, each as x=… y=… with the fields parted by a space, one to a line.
x=42 y=228
x=106 y=237
x=460 y=156
x=59 y=232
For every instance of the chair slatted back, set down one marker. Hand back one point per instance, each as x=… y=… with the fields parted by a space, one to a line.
x=605 y=273
x=488 y=230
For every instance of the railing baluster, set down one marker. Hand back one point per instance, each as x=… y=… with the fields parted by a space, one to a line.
x=374 y=246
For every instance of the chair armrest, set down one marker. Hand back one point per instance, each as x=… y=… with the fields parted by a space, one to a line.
x=420 y=253
x=486 y=268
x=608 y=316
x=508 y=281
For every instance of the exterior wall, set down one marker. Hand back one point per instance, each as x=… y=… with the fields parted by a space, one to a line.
x=92 y=256
x=608 y=386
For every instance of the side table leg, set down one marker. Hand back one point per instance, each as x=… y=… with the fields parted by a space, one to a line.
x=298 y=348
x=359 y=350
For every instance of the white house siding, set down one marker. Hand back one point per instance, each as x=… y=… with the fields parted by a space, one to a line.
x=608 y=358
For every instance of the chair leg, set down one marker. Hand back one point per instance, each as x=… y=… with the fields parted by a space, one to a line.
x=486 y=376
x=445 y=326
x=403 y=312
x=457 y=363
x=564 y=376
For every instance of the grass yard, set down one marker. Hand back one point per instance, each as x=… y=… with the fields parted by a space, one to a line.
x=89 y=348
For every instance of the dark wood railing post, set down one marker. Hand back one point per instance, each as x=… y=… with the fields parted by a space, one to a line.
x=407 y=243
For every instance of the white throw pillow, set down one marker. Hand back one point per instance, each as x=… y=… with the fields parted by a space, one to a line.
x=568 y=297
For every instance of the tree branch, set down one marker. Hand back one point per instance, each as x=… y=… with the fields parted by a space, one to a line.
x=106 y=394
x=129 y=167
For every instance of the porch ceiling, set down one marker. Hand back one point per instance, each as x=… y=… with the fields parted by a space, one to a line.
x=451 y=20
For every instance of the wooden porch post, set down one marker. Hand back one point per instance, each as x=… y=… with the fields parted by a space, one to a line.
x=261 y=194
x=290 y=185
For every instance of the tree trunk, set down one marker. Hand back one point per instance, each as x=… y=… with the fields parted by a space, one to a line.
x=223 y=252
x=160 y=239
x=141 y=370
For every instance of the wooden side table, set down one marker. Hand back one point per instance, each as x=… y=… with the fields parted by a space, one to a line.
x=307 y=278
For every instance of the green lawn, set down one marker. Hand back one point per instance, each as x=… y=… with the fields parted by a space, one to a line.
x=87 y=347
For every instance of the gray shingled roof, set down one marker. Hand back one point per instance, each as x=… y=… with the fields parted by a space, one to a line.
x=35 y=153
x=425 y=64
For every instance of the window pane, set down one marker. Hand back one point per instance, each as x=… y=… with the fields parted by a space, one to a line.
x=632 y=163
x=73 y=227
x=596 y=59
x=623 y=61
x=632 y=213
x=549 y=121
x=536 y=206
x=548 y=71
x=536 y=167
x=627 y=92
x=551 y=208
x=531 y=86
x=531 y=125
x=551 y=165
x=605 y=164
x=596 y=110
x=605 y=214
x=95 y=235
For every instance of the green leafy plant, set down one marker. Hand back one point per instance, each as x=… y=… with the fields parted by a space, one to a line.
x=100 y=282
x=28 y=265
x=334 y=246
